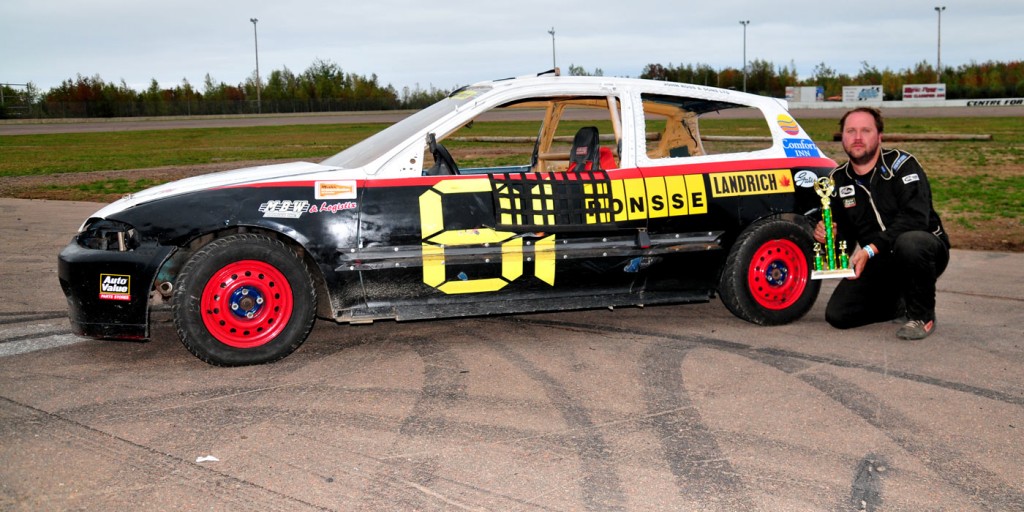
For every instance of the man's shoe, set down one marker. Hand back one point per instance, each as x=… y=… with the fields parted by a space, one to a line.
x=916 y=329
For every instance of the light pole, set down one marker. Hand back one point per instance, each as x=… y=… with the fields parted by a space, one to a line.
x=745 y=23
x=256 y=40
x=552 y=32
x=938 y=57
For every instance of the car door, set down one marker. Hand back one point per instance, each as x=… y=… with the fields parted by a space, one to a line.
x=546 y=234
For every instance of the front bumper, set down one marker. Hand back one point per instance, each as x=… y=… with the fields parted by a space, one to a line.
x=108 y=290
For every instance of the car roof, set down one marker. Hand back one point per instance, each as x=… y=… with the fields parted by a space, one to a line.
x=712 y=98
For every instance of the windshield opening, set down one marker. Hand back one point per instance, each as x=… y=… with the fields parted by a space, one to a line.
x=368 y=150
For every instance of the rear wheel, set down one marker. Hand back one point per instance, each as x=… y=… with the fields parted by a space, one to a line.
x=244 y=299
x=767 y=276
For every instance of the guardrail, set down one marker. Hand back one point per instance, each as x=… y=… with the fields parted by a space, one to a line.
x=994 y=102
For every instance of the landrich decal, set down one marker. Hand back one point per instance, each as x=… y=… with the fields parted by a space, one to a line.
x=115 y=287
x=750 y=183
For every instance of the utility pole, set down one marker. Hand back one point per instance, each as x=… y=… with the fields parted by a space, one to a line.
x=256 y=39
x=938 y=57
x=745 y=23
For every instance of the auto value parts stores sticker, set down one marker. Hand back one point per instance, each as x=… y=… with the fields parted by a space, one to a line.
x=115 y=287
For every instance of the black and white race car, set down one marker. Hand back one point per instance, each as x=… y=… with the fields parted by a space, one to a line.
x=617 y=201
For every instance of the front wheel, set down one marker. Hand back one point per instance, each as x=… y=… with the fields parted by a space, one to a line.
x=244 y=299
x=767 y=276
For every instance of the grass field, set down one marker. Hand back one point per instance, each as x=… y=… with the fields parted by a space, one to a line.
x=978 y=185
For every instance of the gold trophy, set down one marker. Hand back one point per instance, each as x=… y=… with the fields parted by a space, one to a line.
x=828 y=264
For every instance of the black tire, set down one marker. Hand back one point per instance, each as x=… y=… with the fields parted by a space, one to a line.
x=767 y=276
x=244 y=299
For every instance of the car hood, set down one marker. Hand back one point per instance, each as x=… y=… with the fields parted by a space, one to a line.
x=260 y=174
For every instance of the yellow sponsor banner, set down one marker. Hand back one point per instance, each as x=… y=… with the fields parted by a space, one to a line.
x=651 y=198
x=751 y=183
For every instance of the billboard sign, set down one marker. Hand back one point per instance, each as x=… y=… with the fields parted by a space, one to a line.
x=913 y=92
x=862 y=94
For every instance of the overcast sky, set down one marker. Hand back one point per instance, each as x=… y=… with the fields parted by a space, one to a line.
x=450 y=43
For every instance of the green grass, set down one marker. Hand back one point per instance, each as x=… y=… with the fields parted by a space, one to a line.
x=972 y=181
x=32 y=155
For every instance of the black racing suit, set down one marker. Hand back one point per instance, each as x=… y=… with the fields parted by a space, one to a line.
x=890 y=207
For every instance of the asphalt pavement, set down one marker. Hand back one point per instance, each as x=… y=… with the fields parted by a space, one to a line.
x=660 y=408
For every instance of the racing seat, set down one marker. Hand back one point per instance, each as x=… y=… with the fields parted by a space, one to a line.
x=585 y=153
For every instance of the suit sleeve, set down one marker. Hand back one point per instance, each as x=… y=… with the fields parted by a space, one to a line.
x=913 y=199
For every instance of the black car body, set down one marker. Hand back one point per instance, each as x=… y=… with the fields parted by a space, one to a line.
x=392 y=228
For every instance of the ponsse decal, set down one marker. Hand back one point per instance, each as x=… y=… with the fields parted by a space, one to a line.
x=652 y=198
x=731 y=184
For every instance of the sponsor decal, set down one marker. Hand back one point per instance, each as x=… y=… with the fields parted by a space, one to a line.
x=800 y=148
x=750 y=183
x=650 y=198
x=805 y=179
x=345 y=189
x=115 y=287
x=788 y=124
x=284 y=209
x=333 y=207
x=846 y=191
x=850 y=202
x=910 y=178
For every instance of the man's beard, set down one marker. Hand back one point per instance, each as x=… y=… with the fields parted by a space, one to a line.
x=866 y=157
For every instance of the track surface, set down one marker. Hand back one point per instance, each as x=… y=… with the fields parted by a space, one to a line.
x=663 y=408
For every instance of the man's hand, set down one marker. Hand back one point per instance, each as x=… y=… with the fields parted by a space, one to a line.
x=858 y=261
x=819 y=231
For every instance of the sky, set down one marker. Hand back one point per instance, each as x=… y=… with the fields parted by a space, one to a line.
x=445 y=44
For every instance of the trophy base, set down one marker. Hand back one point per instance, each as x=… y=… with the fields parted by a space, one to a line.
x=838 y=273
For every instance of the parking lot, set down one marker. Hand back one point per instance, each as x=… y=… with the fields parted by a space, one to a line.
x=662 y=408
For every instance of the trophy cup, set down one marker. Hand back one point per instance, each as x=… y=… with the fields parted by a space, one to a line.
x=827 y=264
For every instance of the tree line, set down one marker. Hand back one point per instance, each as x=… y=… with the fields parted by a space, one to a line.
x=325 y=87
x=969 y=81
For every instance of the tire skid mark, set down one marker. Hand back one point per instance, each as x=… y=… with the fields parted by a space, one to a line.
x=442 y=386
x=20 y=316
x=600 y=485
x=36 y=336
x=377 y=469
x=703 y=474
x=216 y=486
x=765 y=353
x=418 y=474
x=973 y=480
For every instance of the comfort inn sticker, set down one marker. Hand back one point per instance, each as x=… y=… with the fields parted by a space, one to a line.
x=750 y=183
x=115 y=287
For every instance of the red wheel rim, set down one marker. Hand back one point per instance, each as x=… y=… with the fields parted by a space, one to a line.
x=778 y=274
x=246 y=304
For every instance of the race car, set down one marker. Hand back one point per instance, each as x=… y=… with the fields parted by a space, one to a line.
x=617 y=201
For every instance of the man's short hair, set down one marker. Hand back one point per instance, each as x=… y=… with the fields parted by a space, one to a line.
x=874 y=112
